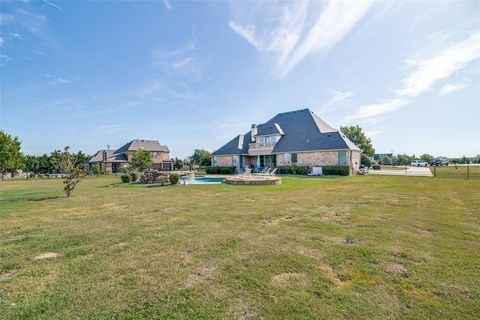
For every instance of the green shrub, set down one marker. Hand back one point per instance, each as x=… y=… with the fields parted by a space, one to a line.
x=376 y=167
x=125 y=178
x=219 y=170
x=297 y=170
x=174 y=178
x=134 y=176
x=336 y=170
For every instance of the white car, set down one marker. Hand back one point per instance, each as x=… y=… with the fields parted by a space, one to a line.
x=419 y=163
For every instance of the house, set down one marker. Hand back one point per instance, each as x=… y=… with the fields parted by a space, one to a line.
x=291 y=138
x=112 y=161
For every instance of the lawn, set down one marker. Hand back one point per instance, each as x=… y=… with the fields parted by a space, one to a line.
x=383 y=247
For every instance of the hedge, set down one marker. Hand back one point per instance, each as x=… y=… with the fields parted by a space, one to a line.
x=301 y=170
x=219 y=170
x=336 y=170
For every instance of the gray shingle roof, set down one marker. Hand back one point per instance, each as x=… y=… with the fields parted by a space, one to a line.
x=303 y=131
x=111 y=156
x=148 y=145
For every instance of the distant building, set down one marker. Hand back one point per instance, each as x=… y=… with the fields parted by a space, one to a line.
x=292 y=138
x=111 y=161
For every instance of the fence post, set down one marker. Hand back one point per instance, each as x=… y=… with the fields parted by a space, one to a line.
x=468 y=171
x=434 y=171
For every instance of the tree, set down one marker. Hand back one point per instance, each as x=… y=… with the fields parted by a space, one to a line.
x=11 y=158
x=201 y=158
x=64 y=162
x=178 y=164
x=386 y=161
x=141 y=160
x=427 y=158
x=95 y=169
x=80 y=158
x=358 y=137
x=366 y=160
x=464 y=160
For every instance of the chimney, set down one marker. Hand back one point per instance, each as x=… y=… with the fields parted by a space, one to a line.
x=254 y=132
x=104 y=156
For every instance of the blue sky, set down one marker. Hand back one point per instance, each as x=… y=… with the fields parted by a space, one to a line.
x=194 y=74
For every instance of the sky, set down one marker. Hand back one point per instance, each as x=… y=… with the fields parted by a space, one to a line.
x=92 y=74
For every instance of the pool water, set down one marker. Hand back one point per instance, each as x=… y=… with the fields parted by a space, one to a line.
x=201 y=180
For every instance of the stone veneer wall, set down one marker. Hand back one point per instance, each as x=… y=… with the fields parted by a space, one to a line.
x=323 y=158
x=356 y=159
x=224 y=161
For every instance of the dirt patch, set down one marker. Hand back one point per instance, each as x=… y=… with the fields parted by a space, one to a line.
x=275 y=221
x=46 y=255
x=171 y=210
x=398 y=269
x=425 y=231
x=333 y=276
x=289 y=278
x=335 y=215
x=201 y=275
x=309 y=252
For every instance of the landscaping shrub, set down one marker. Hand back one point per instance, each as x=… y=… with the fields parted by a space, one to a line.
x=174 y=178
x=134 y=176
x=336 y=170
x=163 y=179
x=298 y=170
x=125 y=178
x=219 y=170
x=376 y=167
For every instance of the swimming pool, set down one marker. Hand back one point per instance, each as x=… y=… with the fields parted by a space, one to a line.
x=201 y=180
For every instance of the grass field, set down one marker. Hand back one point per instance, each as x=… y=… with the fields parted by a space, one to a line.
x=381 y=247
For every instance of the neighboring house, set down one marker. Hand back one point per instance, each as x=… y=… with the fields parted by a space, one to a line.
x=112 y=161
x=292 y=138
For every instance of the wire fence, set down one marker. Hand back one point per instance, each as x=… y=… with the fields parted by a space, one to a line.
x=461 y=171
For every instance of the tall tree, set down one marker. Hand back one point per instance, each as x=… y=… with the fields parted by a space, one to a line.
x=358 y=137
x=427 y=157
x=64 y=162
x=80 y=158
x=141 y=160
x=178 y=164
x=11 y=158
x=201 y=158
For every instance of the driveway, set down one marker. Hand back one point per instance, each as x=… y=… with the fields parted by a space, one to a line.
x=410 y=171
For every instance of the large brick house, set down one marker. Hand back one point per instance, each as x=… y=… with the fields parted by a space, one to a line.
x=111 y=161
x=292 y=138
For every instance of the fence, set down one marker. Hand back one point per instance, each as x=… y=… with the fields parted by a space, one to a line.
x=460 y=171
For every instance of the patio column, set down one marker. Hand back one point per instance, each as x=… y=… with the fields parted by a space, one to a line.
x=258 y=161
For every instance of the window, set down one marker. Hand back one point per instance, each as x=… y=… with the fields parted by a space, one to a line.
x=294 y=158
x=234 y=161
x=342 y=158
x=286 y=158
x=214 y=161
x=154 y=155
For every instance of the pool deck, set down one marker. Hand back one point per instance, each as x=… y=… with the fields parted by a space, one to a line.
x=253 y=180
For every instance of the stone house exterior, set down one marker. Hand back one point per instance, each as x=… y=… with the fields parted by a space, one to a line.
x=297 y=137
x=112 y=161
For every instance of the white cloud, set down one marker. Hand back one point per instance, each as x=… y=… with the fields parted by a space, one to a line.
x=337 y=98
x=452 y=87
x=1 y=41
x=50 y=3
x=6 y=18
x=168 y=5
x=439 y=66
x=374 y=111
x=428 y=70
x=57 y=80
x=302 y=30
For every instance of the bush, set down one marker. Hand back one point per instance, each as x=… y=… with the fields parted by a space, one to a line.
x=219 y=170
x=162 y=179
x=125 y=178
x=300 y=170
x=336 y=170
x=174 y=178
x=134 y=176
x=376 y=167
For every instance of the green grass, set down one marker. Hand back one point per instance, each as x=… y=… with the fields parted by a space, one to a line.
x=223 y=252
x=459 y=172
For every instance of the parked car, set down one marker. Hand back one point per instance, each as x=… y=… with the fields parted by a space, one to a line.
x=419 y=163
x=440 y=161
